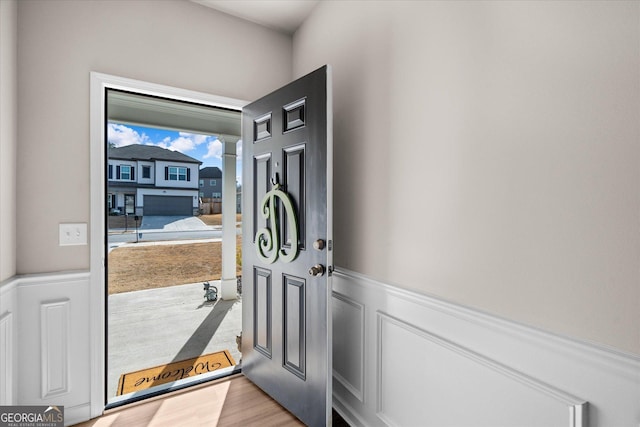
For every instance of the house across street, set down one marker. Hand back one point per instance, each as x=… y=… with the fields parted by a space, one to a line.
x=149 y=180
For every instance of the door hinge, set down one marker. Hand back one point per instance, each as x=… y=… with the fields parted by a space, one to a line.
x=330 y=245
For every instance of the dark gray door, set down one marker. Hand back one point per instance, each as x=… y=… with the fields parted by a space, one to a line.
x=287 y=246
x=168 y=205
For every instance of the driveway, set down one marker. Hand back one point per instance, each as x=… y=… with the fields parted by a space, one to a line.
x=173 y=223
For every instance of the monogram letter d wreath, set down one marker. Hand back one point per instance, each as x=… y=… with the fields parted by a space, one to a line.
x=267 y=240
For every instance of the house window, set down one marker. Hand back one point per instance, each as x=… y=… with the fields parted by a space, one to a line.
x=212 y=182
x=177 y=173
x=202 y=183
x=217 y=195
x=202 y=194
x=125 y=172
x=110 y=171
x=146 y=172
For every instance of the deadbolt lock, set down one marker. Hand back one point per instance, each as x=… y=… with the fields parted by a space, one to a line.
x=319 y=244
x=317 y=270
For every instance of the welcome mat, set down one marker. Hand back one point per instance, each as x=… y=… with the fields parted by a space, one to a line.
x=150 y=377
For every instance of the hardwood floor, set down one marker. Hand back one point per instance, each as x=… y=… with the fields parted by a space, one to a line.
x=231 y=401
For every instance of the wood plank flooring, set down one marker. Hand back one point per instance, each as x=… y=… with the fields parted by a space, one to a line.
x=232 y=401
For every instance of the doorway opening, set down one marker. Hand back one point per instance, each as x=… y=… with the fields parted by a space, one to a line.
x=168 y=323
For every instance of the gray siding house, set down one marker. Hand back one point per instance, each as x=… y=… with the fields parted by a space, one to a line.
x=150 y=180
x=210 y=183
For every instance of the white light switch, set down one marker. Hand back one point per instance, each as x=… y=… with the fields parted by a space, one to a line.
x=73 y=234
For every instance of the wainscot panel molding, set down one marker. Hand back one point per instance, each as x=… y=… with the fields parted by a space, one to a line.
x=407 y=359
x=8 y=342
x=54 y=345
x=348 y=357
x=53 y=349
x=6 y=358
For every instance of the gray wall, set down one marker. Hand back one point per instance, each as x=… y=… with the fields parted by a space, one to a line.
x=8 y=138
x=489 y=153
x=175 y=43
x=486 y=152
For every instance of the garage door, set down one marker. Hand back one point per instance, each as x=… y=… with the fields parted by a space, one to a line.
x=168 y=205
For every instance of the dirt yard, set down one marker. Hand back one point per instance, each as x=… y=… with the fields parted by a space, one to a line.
x=216 y=219
x=133 y=268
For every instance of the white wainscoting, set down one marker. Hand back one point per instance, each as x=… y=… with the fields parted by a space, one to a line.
x=8 y=343
x=400 y=358
x=54 y=352
x=6 y=358
x=405 y=359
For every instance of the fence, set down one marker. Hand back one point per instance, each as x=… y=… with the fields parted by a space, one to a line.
x=210 y=206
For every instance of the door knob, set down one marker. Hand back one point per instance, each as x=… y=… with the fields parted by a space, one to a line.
x=317 y=270
x=318 y=244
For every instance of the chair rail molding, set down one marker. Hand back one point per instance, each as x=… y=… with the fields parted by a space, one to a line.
x=413 y=358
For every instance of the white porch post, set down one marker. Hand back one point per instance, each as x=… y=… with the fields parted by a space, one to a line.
x=228 y=285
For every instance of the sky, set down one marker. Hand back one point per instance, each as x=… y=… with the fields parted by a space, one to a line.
x=206 y=148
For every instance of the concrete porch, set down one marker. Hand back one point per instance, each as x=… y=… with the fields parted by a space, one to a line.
x=158 y=326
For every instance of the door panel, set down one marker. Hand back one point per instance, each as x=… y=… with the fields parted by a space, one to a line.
x=262 y=310
x=294 y=325
x=294 y=182
x=260 y=187
x=286 y=345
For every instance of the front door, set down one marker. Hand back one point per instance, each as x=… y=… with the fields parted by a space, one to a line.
x=129 y=204
x=287 y=246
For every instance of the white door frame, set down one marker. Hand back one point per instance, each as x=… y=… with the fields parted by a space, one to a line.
x=97 y=132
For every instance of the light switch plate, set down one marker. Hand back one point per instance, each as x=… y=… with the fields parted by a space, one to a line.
x=73 y=234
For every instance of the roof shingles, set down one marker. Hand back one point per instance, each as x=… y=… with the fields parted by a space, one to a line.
x=210 y=172
x=149 y=152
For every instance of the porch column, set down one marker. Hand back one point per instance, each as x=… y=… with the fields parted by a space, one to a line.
x=229 y=283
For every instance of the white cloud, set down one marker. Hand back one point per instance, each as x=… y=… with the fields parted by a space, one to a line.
x=184 y=143
x=160 y=144
x=120 y=135
x=214 y=149
x=195 y=137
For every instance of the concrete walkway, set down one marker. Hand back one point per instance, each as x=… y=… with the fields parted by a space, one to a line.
x=157 y=326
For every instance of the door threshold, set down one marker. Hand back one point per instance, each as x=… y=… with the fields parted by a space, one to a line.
x=158 y=390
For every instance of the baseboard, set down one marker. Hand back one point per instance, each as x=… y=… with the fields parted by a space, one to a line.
x=77 y=414
x=404 y=358
x=347 y=413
